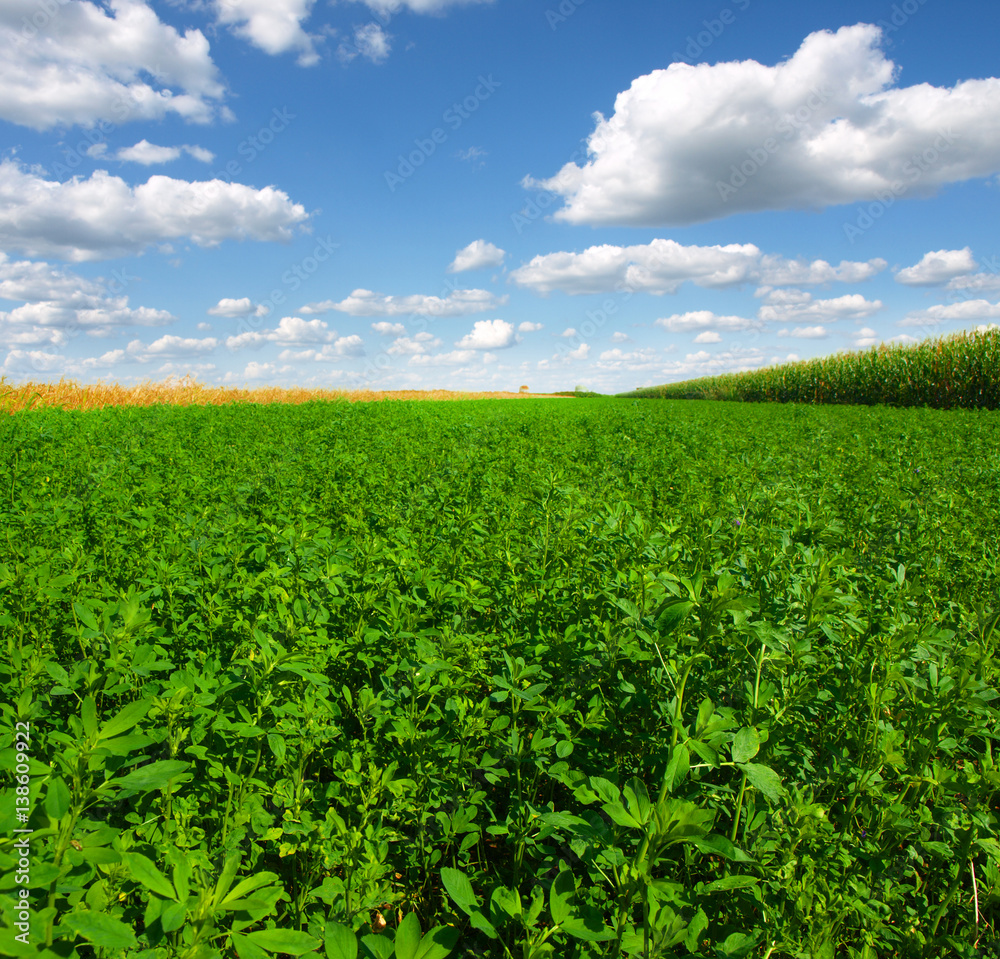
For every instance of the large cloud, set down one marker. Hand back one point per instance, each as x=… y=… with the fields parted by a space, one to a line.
x=661 y=266
x=366 y=303
x=103 y=216
x=488 y=335
x=693 y=143
x=78 y=63
x=938 y=267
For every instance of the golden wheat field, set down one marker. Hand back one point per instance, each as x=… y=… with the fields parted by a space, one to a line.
x=71 y=395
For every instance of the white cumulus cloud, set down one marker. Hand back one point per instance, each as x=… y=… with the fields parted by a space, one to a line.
x=290 y=331
x=965 y=311
x=90 y=62
x=149 y=154
x=937 y=268
x=476 y=256
x=274 y=26
x=170 y=345
x=789 y=305
x=102 y=216
x=827 y=126
x=699 y=320
x=230 y=307
x=488 y=335
x=370 y=41
x=662 y=266
x=54 y=302
x=366 y=303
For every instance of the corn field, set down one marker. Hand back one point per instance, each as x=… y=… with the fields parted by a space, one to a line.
x=962 y=370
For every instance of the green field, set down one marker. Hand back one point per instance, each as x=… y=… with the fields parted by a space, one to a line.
x=546 y=677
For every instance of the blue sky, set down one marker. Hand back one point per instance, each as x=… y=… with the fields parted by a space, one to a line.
x=480 y=194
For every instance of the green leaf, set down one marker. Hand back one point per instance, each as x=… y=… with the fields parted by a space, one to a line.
x=144 y=870
x=608 y=791
x=678 y=767
x=88 y=713
x=694 y=930
x=765 y=779
x=100 y=929
x=589 y=928
x=638 y=800
x=154 y=776
x=505 y=903
x=478 y=921
x=618 y=814
x=705 y=711
x=128 y=717
x=245 y=949
x=123 y=745
x=57 y=799
x=376 y=947
x=173 y=916
x=288 y=941
x=438 y=943
x=408 y=937
x=86 y=616
x=714 y=845
x=248 y=885
x=277 y=745
x=561 y=896
x=940 y=849
x=731 y=882
x=737 y=945
x=746 y=744
x=340 y=942
x=674 y=613
x=459 y=888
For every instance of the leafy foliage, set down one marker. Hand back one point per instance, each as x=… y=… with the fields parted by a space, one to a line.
x=503 y=679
